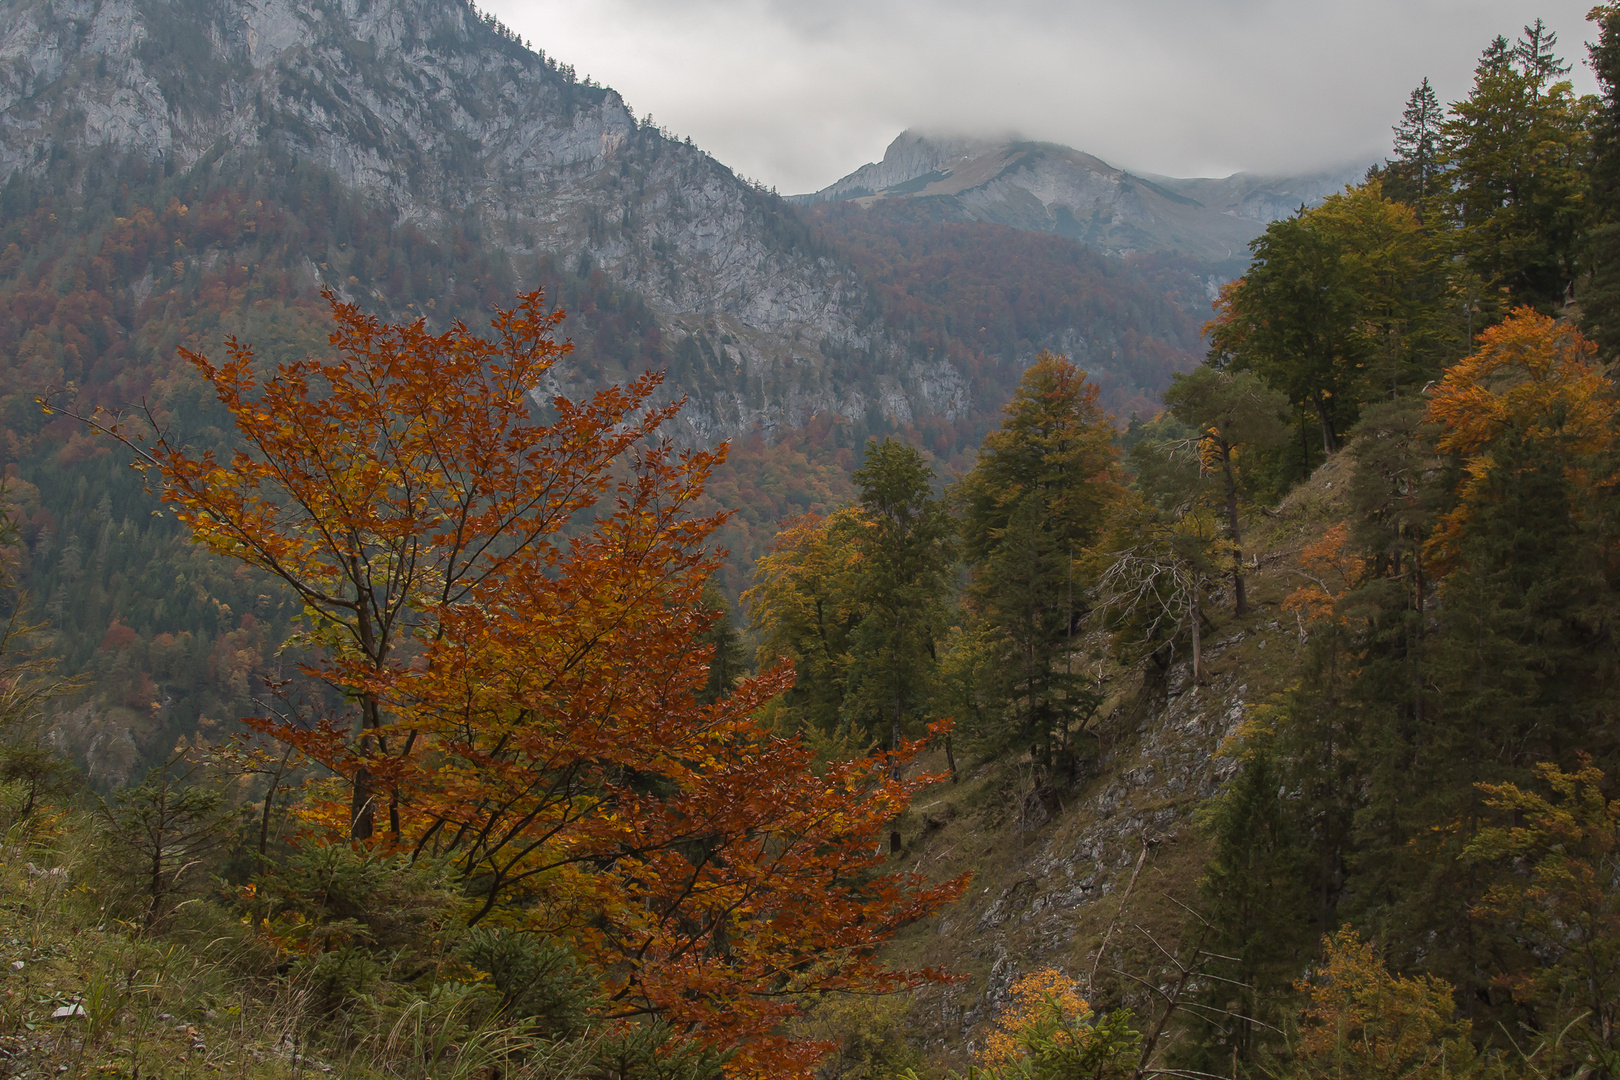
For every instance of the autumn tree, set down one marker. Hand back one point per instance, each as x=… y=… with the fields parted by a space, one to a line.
x=512 y=601
x=1362 y=1021
x=1049 y=1032
x=1554 y=853
x=1516 y=667
x=803 y=608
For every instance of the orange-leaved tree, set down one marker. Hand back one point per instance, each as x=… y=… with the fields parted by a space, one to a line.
x=1533 y=379
x=1049 y=1032
x=510 y=592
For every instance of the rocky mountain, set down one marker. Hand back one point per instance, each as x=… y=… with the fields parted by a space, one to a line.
x=440 y=115
x=1044 y=187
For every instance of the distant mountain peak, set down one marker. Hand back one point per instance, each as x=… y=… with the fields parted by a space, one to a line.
x=1047 y=187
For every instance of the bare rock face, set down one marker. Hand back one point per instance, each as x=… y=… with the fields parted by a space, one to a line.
x=1044 y=187
x=425 y=107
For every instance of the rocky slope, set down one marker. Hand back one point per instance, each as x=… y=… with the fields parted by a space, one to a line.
x=425 y=107
x=1098 y=877
x=1049 y=188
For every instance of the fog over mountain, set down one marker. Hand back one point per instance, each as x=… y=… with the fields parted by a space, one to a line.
x=1043 y=187
x=798 y=95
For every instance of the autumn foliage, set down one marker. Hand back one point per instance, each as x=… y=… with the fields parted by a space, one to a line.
x=1049 y=1032
x=1531 y=378
x=511 y=596
x=1362 y=1021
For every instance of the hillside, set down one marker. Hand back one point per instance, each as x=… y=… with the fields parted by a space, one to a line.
x=174 y=172
x=1096 y=874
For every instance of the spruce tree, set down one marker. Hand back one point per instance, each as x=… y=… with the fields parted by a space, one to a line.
x=1026 y=603
x=1033 y=503
x=1516 y=153
x=1414 y=176
x=1254 y=898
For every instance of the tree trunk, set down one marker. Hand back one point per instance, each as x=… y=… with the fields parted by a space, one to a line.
x=1197 y=640
x=270 y=799
x=1330 y=440
x=1233 y=531
x=362 y=804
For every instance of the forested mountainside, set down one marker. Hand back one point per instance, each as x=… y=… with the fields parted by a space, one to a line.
x=1044 y=187
x=1274 y=735
x=179 y=172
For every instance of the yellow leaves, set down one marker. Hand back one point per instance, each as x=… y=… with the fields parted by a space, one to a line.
x=1042 y=999
x=1362 y=1021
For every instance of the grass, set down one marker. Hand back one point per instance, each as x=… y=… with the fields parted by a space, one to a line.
x=84 y=994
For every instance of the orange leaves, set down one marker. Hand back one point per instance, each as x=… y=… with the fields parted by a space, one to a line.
x=1038 y=997
x=514 y=601
x=1530 y=376
x=1329 y=570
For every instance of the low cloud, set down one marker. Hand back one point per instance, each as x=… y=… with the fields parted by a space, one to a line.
x=797 y=95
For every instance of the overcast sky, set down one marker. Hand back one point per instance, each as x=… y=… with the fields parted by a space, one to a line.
x=797 y=93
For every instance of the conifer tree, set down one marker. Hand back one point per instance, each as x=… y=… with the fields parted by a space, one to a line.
x=1600 y=301
x=1033 y=503
x=1254 y=898
x=1516 y=152
x=1414 y=176
x=904 y=553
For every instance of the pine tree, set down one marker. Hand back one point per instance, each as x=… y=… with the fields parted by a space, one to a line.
x=1055 y=442
x=1025 y=602
x=1033 y=503
x=1254 y=897
x=1516 y=153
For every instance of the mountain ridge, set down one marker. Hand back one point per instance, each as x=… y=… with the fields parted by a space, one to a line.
x=426 y=107
x=1048 y=187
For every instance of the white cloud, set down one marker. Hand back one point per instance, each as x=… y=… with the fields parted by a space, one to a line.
x=799 y=94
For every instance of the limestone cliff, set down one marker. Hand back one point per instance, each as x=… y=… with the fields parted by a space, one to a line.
x=428 y=108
